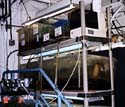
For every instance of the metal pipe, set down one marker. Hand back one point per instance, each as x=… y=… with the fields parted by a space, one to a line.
x=118 y=27
x=41 y=65
x=85 y=74
x=57 y=64
x=59 y=102
x=2 y=6
x=39 y=103
x=115 y=14
x=110 y=56
x=10 y=14
x=43 y=99
x=36 y=104
x=5 y=14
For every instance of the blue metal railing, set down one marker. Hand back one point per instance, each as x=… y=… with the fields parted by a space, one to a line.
x=60 y=96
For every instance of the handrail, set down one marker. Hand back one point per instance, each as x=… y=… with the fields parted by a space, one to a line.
x=58 y=92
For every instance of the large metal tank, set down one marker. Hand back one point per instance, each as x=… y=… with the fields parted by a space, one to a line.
x=98 y=71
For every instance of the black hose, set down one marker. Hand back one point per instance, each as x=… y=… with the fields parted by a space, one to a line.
x=5 y=8
x=8 y=58
x=13 y=2
x=2 y=5
x=116 y=28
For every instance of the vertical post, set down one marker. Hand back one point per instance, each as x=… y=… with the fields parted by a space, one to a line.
x=41 y=65
x=79 y=73
x=36 y=104
x=85 y=74
x=59 y=102
x=110 y=56
x=57 y=64
x=45 y=102
x=41 y=58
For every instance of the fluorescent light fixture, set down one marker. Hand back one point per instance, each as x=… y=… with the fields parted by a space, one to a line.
x=31 y=21
x=56 y=9
x=60 y=11
x=65 y=49
x=70 y=48
x=49 y=15
x=52 y=52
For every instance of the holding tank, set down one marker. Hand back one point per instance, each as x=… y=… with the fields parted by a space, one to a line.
x=98 y=71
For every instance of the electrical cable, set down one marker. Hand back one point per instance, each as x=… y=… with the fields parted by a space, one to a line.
x=113 y=22
x=122 y=31
x=29 y=17
x=13 y=64
x=8 y=58
x=6 y=9
x=35 y=7
x=10 y=21
x=13 y=2
x=7 y=46
x=116 y=28
x=77 y=62
x=118 y=23
x=2 y=9
x=119 y=31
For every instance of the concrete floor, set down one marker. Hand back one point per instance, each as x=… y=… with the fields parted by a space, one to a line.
x=81 y=106
x=77 y=105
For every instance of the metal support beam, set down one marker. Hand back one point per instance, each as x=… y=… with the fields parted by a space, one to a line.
x=85 y=74
x=59 y=102
x=110 y=56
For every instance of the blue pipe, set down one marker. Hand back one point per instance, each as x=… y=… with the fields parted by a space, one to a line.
x=47 y=105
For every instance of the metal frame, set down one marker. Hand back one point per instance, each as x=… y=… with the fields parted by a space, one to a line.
x=110 y=57
x=85 y=76
x=85 y=73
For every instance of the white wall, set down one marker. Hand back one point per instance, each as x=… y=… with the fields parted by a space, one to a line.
x=18 y=17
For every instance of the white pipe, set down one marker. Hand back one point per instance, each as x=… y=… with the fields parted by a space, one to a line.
x=115 y=14
x=85 y=74
x=110 y=57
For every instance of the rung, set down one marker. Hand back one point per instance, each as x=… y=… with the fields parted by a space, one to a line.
x=92 y=99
